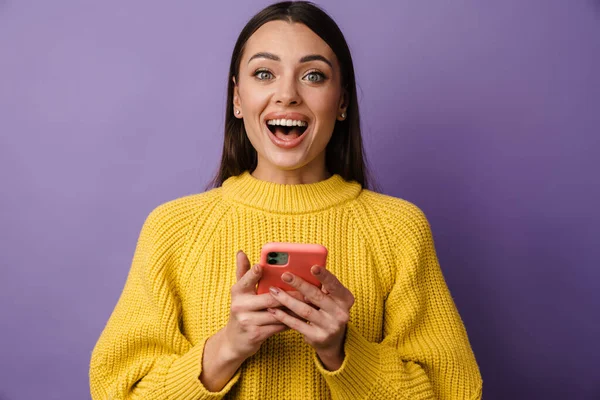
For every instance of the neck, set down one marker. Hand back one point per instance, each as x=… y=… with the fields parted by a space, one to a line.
x=313 y=172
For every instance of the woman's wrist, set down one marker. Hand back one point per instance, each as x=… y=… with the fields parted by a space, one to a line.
x=219 y=362
x=332 y=360
x=227 y=351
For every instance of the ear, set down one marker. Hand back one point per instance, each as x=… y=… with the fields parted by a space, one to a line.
x=343 y=106
x=237 y=104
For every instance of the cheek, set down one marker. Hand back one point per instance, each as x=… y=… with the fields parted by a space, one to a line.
x=253 y=101
x=252 y=97
x=323 y=104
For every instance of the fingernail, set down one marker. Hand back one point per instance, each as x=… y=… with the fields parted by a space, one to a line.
x=256 y=269
x=274 y=291
x=287 y=277
x=316 y=270
x=238 y=252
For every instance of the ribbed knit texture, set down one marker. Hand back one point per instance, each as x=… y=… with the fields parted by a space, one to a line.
x=405 y=338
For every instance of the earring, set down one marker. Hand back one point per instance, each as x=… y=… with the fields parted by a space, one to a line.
x=237 y=112
x=343 y=115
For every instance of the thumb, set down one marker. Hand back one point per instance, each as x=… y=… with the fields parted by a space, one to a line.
x=242 y=264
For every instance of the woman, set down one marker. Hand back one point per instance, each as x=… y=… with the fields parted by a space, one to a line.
x=189 y=325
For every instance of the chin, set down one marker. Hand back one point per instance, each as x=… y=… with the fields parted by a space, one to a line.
x=287 y=163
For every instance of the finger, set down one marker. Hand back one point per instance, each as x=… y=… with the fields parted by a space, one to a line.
x=257 y=318
x=242 y=264
x=332 y=286
x=288 y=311
x=297 y=295
x=253 y=302
x=300 y=308
x=269 y=330
x=247 y=284
x=308 y=301
x=314 y=294
x=293 y=323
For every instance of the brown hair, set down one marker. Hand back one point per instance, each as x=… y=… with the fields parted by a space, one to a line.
x=344 y=152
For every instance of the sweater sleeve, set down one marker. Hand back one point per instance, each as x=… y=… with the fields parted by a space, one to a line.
x=425 y=352
x=142 y=353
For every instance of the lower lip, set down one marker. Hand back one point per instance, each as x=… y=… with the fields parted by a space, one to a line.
x=286 y=144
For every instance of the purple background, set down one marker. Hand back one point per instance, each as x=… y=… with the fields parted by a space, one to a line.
x=485 y=114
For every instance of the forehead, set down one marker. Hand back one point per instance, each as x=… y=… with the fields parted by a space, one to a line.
x=287 y=39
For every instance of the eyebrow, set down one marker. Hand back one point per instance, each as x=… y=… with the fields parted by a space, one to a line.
x=310 y=57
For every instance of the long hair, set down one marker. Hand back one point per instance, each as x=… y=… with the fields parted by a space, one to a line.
x=344 y=154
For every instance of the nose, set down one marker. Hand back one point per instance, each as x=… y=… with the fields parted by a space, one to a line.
x=286 y=92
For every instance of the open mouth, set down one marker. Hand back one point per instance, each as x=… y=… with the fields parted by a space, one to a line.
x=287 y=132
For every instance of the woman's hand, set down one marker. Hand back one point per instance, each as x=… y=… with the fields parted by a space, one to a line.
x=248 y=327
x=250 y=324
x=324 y=328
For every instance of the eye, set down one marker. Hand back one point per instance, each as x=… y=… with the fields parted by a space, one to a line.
x=315 y=76
x=262 y=74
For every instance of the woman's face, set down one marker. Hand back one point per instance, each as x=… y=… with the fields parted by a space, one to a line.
x=286 y=73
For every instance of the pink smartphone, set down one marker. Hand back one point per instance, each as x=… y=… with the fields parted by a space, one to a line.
x=297 y=258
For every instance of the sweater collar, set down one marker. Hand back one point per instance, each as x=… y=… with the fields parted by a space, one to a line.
x=290 y=199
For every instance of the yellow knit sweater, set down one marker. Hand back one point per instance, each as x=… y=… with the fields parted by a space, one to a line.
x=405 y=338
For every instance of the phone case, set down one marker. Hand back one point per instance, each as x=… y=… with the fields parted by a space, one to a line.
x=301 y=257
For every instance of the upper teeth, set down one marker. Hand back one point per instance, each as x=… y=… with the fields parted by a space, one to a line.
x=286 y=122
